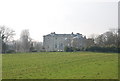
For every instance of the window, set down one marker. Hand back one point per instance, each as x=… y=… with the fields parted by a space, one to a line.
x=48 y=46
x=61 y=45
x=55 y=45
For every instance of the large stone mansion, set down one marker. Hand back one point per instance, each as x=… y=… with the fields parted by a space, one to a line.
x=57 y=42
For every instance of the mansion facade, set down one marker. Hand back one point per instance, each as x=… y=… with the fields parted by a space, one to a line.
x=57 y=42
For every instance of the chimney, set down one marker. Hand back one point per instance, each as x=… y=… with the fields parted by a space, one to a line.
x=72 y=33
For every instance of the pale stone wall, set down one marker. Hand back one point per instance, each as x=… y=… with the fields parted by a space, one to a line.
x=57 y=42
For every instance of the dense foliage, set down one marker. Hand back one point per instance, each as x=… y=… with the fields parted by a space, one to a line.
x=103 y=49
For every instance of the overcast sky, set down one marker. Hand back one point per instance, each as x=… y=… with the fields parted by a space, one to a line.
x=42 y=17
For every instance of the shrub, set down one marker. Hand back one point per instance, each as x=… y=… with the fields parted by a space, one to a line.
x=103 y=49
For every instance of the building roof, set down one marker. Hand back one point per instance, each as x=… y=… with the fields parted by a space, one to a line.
x=54 y=34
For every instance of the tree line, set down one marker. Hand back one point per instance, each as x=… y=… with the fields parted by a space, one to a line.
x=24 y=44
x=106 y=42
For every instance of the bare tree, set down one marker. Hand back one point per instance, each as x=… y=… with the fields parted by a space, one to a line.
x=38 y=46
x=109 y=38
x=25 y=40
x=6 y=34
x=100 y=40
x=17 y=45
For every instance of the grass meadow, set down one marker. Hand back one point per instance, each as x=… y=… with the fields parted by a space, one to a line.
x=60 y=65
x=0 y=67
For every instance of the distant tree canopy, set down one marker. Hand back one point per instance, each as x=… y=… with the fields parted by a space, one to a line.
x=6 y=35
x=25 y=40
x=107 y=42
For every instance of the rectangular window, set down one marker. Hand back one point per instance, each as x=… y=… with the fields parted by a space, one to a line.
x=55 y=45
x=61 y=44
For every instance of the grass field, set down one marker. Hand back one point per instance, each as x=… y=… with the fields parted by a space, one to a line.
x=60 y=65
x=0 y=67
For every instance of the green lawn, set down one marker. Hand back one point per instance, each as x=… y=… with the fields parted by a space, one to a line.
x=0 y=67
x=60 y=65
